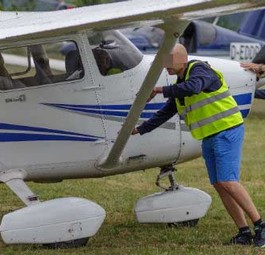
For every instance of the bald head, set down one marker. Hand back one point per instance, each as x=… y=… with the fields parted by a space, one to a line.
x=178 y=55
x=176 y=61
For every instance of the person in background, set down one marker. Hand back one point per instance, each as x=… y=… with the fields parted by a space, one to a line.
x=259 y=69
x=201 y=97
x=105 y=63
x=61 y=5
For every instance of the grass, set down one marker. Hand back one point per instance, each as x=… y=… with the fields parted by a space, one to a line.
x=121 y=234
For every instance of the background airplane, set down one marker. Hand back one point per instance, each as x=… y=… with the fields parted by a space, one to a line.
x=216 y=38
x=244 y=43
x=211 y=37
x=238 y=36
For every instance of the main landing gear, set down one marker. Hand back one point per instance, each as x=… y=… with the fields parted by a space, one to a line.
x=58 y=223
x=167 y=171
x=176 y=205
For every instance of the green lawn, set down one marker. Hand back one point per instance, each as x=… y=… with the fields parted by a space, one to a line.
x=121 y=234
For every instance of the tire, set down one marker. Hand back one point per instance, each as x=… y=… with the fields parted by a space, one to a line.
x=188 y=223
x=68 y=244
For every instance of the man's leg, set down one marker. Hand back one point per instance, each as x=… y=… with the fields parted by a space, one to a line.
x=234 y=210
x=237 y=201
x=236 y=198
x=225 y=151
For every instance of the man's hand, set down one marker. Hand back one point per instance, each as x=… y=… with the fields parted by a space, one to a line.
x=256 y=68
x=155 y=91
x=135 y=131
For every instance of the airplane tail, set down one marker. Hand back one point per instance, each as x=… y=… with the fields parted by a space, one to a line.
x=254 y=25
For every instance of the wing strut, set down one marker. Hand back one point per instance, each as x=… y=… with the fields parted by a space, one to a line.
x=173 y=28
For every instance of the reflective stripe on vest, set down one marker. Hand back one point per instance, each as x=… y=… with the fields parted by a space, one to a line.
x=209 y=113
x=204 y=102
x=213 y=118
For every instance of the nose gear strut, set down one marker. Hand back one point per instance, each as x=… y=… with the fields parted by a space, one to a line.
x=167 y=171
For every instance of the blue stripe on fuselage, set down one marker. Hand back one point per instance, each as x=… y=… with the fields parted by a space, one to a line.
x=20 y=137
x=122 y=110
x=243 y=99
x=109 y=110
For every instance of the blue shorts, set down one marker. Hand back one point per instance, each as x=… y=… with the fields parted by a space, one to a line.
x=222 y=154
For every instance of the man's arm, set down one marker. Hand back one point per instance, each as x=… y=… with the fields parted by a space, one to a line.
x=201 y=78
x=160 y=117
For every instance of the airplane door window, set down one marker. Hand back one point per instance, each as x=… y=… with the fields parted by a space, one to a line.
x=39 y=64
x=113 y=52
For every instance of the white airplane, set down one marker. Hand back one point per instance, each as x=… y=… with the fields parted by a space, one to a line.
x=74 y=120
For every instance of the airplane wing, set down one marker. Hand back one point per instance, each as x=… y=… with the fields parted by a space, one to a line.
x=175 y=14
x=30 y=25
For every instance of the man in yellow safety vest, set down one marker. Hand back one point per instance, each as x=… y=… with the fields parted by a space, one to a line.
x=201 y=97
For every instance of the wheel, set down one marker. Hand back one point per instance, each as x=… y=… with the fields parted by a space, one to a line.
x=187 y=223
x=68 y=244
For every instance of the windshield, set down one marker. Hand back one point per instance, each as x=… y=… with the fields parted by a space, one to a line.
x=113 y=52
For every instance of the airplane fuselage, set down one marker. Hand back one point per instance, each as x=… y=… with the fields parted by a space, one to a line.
x=62 y=128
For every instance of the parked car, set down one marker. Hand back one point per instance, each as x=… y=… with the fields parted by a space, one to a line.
x=38 y=5
x=50 y=5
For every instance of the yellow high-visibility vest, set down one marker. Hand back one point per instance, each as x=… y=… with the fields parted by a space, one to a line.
x=206 y=114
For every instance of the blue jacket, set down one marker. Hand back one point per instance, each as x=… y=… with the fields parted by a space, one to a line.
x=202 y=78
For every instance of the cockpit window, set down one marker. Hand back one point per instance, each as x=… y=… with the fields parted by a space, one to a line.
x=113 y=52
x=39 y=64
